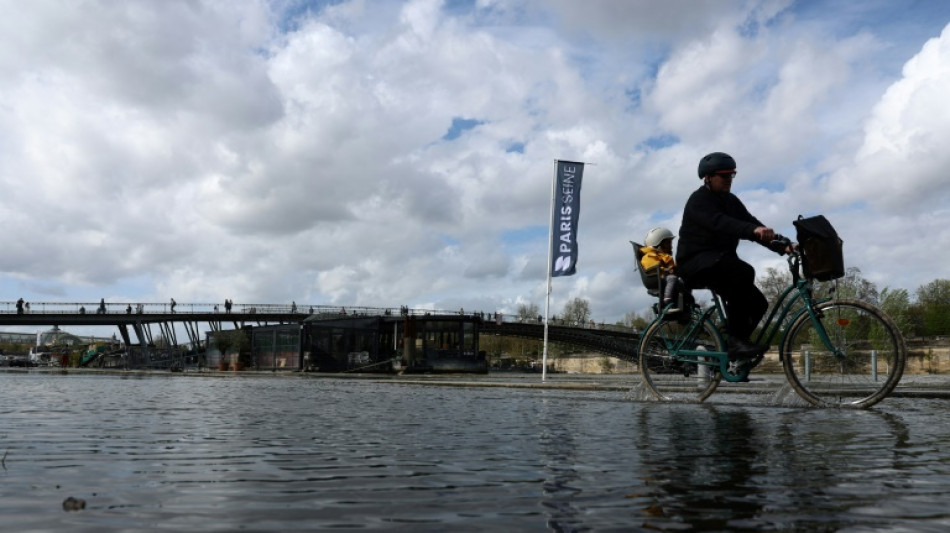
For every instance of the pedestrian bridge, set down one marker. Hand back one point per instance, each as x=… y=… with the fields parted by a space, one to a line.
x=148 y=320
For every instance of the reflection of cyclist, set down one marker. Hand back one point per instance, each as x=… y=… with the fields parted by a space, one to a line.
x=714 y=220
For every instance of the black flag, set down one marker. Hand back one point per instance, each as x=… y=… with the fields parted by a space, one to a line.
x=567 y=208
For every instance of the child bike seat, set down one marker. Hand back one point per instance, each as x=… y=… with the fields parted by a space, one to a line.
x=651 y=277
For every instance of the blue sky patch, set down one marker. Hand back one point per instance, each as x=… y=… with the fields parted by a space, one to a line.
x=659 y=141
x=290 y=17
x=515 y=147
x=459 y=126
x=525 y=234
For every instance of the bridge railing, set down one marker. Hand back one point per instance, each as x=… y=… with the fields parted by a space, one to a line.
x=195 y=308
x=259 y=308
x=10 y=307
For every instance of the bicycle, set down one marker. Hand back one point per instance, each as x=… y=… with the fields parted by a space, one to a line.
x=834 y=352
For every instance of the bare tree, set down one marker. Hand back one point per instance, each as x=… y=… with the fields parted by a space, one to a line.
x=854 y=285
x=635 y=321
x=773 y=283
x=528 y=312
x=577 y=312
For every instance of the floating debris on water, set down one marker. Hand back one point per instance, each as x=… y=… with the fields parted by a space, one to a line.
x=74 y=504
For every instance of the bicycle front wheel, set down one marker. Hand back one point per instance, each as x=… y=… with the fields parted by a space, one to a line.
x=669 y=378
x=858 y=366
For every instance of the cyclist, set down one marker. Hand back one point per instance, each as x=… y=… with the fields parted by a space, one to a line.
x=714 y=220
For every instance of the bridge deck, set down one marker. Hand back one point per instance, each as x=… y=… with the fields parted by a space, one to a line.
x=619 y=342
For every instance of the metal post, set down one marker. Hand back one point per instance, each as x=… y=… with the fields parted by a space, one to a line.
x=874 y=365
x=547 y=292
x=807 y=364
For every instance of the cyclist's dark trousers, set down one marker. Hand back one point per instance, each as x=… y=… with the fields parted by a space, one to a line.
x=734 y=281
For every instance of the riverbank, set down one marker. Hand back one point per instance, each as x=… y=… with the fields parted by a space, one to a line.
x=912 y=385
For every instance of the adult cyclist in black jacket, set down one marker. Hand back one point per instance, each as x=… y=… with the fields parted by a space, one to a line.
x=714 y=220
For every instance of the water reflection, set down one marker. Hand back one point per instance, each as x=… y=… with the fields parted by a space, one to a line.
x=730 y=468
x=700 y=464
x=302 y=454
x=559 y=454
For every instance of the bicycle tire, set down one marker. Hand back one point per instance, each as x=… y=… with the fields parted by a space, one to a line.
x=669 y=379
x=867 y=361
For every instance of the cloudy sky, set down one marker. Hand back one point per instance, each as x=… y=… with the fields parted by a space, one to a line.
x=387 y=153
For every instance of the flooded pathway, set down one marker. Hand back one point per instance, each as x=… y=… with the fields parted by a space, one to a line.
x=295 y=454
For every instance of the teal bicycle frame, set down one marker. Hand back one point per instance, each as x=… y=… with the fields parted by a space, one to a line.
x=800 y=291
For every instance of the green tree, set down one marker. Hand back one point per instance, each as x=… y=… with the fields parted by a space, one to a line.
x=236 y=341
x=577 y=312
x=222 y=341
x=896 y=304
x=934 y=301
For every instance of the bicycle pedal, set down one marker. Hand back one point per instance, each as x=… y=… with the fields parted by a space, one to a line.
x=737 y=366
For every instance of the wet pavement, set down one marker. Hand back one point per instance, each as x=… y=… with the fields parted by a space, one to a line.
x=148 y=451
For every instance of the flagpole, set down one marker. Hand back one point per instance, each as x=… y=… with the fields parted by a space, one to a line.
x=547 y=298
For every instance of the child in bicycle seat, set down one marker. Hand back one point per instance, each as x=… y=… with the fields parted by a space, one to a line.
x=659 y=251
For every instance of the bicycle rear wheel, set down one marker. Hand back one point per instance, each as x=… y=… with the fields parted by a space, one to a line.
x=864 y=364
x=670 y=379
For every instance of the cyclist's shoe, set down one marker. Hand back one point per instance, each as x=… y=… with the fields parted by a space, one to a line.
x=740 y=349
x=739 y=366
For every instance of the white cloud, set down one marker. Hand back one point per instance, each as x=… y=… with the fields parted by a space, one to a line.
x=902 y=162
x=212 y=150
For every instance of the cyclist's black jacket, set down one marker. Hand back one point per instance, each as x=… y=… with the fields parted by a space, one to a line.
x=712 y=225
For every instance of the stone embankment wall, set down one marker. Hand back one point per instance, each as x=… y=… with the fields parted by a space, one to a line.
x=922 y=358
x=928 y=359
x=592 y=363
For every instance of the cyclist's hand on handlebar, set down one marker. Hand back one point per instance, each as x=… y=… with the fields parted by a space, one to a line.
x=764 y=234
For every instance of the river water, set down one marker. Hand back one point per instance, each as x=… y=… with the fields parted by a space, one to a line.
x=282 y=453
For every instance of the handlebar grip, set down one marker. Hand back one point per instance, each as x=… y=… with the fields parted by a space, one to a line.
x=779 y=244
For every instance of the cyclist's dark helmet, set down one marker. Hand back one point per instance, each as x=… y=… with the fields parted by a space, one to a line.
x=715 y=162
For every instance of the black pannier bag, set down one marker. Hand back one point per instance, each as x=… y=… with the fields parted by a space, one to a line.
x=823 y=257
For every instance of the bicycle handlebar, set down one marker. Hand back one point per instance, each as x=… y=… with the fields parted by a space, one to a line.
x=780 y=244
